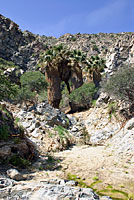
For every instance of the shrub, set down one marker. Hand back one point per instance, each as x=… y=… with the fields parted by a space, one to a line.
x=62 y=132
x=73 y=38
x=32 y=83
x=83 y=93
x=18 y=161
x=4 y=64
x=4 y=132
x=34 y=80
x=95 y=48
x=7 y=89
x=121 y=84
x=81 y=97
x=121 y=87
x=24 y=94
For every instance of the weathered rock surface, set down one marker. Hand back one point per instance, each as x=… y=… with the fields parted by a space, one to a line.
x=23 y=48
x=49 y=128
x=103 y=129
x=18 y=46
x=15 y=175
x=46 y=190
x=13 y=141
x=43 y=124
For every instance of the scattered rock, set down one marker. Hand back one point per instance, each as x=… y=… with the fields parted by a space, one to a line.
x=130 y=124
x=15 y=175
x=5 y=152
x=52 y=192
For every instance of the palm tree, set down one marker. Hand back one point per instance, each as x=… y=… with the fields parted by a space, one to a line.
x=50 y=66
x=77 y=58
x=95 y=66
x=61 y=64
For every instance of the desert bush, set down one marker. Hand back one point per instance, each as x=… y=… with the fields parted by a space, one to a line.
x=7 y=89
x=121 y=84
x=18 y=161
x=34 y=80
x=81 y=97
x=33 y=87
x=4 y=64
x=62 y=132
x=4 y=132
x=95 y=48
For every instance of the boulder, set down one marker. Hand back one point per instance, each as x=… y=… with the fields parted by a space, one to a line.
x=5 y=152
x=52 y=116
x=130 y=124
x=15 y=175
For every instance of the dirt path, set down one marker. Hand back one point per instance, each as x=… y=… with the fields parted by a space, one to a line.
x=99 y=166
x=93 y=165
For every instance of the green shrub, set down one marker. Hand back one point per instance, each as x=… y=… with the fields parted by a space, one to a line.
x=73 y=38
x=62 y=132
x=17 y=140
x=25 y=94
x=34 y=81
x=42 y=95
x=81 y=98
x=121 y=84
x=83 y=94
x=112 y=108
x=4 y=64
x=18 y=161
x=4 y=132
x=93 y=102
x=7 y=89
x=95 y=48
x=33 y=86
x=17 y=120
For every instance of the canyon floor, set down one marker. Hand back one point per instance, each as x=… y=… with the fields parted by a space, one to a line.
x=99 y=167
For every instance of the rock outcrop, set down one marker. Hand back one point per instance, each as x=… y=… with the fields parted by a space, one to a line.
x=18 y=46
x=46 y=190
x=49 y=130
x=23 y=48
x=14 y=145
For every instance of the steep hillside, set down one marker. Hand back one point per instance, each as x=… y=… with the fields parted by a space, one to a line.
x=18 y=46
x=116 y=49
x=50 y=152
x=23 y=48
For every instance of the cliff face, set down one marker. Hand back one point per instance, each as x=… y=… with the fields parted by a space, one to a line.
x=116 y=49
x=23 y=48
x=18 y=46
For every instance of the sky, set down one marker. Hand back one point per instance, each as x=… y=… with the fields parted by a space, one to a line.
x=58 y=17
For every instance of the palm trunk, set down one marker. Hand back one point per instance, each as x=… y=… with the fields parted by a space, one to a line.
x=54 y=81
x=76 y=76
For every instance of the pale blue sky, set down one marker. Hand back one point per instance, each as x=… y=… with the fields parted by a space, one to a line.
x=57 y=17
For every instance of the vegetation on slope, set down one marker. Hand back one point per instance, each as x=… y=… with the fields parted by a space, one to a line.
x=121 y=86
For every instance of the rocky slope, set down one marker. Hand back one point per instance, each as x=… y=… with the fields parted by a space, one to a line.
x=23 y=48
x=18 y=46
x=108 y=158
x=52 y=130
x=14 y=145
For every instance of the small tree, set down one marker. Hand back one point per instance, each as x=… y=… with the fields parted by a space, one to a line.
x=7 y=89
x=121 y=86
x=34 y=80
x=32 y=84
x=82 y=97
